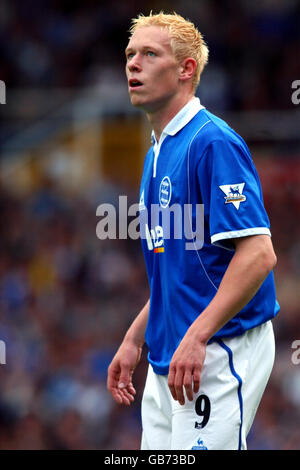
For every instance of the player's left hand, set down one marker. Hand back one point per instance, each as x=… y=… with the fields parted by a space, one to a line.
x=185 y=368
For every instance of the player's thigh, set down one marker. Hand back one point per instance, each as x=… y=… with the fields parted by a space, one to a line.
x=233 y=379
x=156 y=413
x=213 y=419
x=259 y=370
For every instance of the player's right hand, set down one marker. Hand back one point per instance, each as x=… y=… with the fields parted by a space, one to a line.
x=120 y=371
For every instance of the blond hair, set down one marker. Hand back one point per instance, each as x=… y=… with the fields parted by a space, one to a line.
x=186 y=40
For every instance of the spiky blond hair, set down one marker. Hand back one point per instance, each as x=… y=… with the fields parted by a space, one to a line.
x=186 y=40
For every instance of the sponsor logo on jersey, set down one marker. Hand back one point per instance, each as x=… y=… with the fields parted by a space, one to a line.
x=233 y=194
x=155 y=238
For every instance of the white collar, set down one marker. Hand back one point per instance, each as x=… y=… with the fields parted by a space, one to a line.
x=183 y=117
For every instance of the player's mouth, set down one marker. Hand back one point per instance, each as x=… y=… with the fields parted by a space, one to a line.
x=134 y=84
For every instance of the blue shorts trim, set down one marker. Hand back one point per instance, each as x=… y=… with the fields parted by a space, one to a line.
x=240 y=383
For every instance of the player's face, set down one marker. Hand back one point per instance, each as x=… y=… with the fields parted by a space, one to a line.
x=152 y=70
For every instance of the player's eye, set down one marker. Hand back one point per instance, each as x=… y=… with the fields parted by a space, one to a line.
x=151 y=54
x=130 y=55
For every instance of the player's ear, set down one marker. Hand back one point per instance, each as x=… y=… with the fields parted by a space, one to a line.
x=187 y=69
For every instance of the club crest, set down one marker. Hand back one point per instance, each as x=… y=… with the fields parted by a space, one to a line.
x=165 y=192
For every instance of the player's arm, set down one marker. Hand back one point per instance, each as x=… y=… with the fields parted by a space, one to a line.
x=253 y=260
x=119 y=378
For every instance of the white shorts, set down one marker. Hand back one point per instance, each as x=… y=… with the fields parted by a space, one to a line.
x=233 y=379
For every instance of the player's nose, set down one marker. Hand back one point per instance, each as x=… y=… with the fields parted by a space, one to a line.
x=134 y=64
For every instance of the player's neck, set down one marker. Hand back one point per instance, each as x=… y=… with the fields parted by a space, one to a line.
x=162 y=116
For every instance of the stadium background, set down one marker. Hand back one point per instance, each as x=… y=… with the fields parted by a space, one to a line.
x=70 y=141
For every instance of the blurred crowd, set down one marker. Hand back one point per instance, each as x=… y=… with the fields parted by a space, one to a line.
x=66 y=297
x=254 y=46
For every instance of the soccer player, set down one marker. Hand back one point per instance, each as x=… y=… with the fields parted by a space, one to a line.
x=207 y=324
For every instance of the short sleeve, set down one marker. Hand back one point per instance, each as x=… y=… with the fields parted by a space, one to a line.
x=231 y=192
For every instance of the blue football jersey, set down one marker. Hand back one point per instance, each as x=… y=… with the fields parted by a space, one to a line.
x=199 y=191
